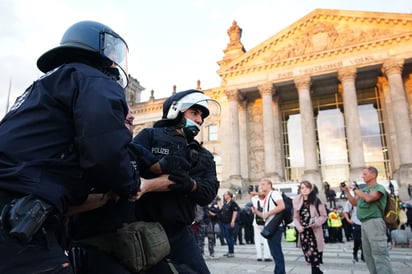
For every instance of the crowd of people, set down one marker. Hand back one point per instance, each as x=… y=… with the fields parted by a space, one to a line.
x=359 y=220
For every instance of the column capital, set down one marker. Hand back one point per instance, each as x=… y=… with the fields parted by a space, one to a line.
x=233 y=95
x=393 y=66
x=303 y=82
x=347 y=74
x=266 y=89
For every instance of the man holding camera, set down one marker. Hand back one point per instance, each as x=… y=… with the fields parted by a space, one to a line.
x=369 y=202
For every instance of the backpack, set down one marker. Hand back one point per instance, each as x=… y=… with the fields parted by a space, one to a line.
x=288 y=211
x=288 y=215
x=391 y=211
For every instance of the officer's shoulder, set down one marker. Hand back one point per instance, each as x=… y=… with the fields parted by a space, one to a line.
x=86 y=71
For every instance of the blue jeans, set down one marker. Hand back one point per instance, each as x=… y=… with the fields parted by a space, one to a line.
x=229 y=237
x=275 y=247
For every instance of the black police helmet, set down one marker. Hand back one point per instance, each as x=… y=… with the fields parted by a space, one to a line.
x=88 y=42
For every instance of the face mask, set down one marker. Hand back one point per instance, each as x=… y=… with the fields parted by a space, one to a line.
x=190 y=129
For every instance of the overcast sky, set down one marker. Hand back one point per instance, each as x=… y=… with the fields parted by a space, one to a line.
x=171 y=42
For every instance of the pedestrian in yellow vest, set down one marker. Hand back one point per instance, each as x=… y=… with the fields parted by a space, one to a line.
x=290 y=234
x=335 y=226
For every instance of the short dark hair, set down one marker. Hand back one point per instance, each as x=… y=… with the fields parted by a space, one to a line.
x=373 y=170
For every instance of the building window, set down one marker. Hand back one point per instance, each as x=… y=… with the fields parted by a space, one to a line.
x=218 y=163
x=331 y=137
x=333 y=154
x=293 y=147
x=372 y=139
x=212 y=133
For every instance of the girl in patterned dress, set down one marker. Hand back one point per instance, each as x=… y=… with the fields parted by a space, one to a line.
x=309 y=216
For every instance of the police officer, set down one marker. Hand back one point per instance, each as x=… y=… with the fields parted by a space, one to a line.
x=171 y=140
x=63 y=137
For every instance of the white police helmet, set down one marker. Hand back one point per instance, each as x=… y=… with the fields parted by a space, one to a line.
x=182 y=101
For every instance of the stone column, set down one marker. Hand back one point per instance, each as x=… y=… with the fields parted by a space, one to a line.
x=243 y=141
x=353 y=130
x=266 y=91
x=393 y=71
x=390 y=131
x=311 y=172
x=277 y=129
x=234 y=150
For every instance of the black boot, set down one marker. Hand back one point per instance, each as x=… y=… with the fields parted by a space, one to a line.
x=320 y=257
x=355 y=257
x=316 y=270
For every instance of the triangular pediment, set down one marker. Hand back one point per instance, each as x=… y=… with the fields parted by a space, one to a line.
x=323 y=35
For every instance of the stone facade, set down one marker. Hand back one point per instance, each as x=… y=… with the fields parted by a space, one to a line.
x=328 y=60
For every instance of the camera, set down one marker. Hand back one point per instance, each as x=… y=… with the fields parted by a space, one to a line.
x=342 y=184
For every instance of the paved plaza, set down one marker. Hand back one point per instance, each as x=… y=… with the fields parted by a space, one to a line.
x=337 y=260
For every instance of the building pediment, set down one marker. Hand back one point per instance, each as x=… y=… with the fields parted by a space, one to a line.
x=325 y=36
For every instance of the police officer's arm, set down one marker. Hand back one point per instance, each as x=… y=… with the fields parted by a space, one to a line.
x=206 y=182
x=158 y=184
x=102 y=138
x=93 y=201
x=147 y=160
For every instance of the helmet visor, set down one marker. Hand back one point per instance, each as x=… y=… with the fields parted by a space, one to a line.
x=209 y=106
x=115 y=49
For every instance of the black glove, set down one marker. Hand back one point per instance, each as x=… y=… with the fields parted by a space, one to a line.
x=173 y=164
x=184 y=183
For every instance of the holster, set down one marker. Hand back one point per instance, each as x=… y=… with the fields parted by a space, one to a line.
x=23 y=217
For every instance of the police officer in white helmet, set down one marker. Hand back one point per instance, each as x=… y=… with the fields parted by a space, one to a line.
x=170 y=148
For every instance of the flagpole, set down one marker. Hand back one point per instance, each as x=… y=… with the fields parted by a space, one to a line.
x=8 y=96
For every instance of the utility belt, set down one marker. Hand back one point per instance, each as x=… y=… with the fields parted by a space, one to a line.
x=23 y=217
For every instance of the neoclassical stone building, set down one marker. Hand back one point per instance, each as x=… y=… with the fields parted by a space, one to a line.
x=319 y=100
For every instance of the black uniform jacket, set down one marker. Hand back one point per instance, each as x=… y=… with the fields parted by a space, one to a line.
x=176 y=209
